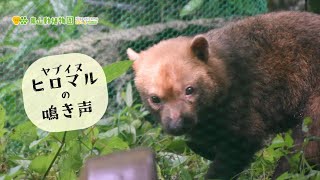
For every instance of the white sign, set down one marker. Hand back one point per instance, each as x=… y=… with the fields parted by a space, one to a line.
x=65 y=92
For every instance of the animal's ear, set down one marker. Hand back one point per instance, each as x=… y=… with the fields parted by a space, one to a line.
x=200 y=47
x=132 y=54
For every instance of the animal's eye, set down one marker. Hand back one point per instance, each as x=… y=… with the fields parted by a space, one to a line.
x=189 y=90
x=155 y=99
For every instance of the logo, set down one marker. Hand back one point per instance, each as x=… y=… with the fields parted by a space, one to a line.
x=16 y=20
x=61 y=20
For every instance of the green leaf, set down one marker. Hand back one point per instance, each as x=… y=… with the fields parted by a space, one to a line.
x=123 y=128
x=288 y=140
x=92 y=132
x=306 y=123
x=294 y=160
x=283 y=176
x=191 y=7
x=2 y=132
x=41 y=163
x=268 y=154
x=66 y=174
x=160 y=176
x=71 y=135
x=86 y=143
x=277 y=142
x=185 y=174
x=72 y=160
x=114 y=144
x=129 y=99
x=100 y=144
x=79 y=6
x=25 y=133
x=146 y=126
x=6 y=57
x=136 y=123
x=115 y=70
x=177 y=146
x=55 y=146
x=2 y=117
x=10 y=87
x=278 y=153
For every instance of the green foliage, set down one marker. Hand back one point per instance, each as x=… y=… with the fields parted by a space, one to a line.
x=24 y=133
x=114 y=70
x=47 y=37
x=306 y=123
x=2 y=116
x=191 y=7
x=282 y=146
x=7 y=7
x=40 y=163
x=30 y=152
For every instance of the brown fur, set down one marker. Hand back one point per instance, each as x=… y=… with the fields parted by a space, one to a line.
x=251 y=78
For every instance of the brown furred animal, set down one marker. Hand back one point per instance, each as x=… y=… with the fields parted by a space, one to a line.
x=230 y=88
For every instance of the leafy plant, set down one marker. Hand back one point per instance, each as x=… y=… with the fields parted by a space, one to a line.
x=28 y=152
x=282 y=146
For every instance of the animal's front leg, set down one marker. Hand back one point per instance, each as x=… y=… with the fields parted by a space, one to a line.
x=231 y=159
x=204 y=150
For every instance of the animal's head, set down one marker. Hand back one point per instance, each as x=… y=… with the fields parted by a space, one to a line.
x=176 y=81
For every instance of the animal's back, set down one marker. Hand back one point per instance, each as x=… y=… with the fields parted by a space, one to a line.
x=274 y=60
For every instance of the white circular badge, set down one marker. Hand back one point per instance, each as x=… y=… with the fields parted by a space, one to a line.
x=65 y=92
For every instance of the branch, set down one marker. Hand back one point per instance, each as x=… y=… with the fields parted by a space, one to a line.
x=55 y=157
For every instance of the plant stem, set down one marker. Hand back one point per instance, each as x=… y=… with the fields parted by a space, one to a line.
x=56 y=155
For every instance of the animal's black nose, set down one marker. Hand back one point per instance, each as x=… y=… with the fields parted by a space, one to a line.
x=176 y=123
x=178 y=126
x=175 y=126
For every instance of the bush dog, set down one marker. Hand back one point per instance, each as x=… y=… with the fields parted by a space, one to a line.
x=230 y=88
